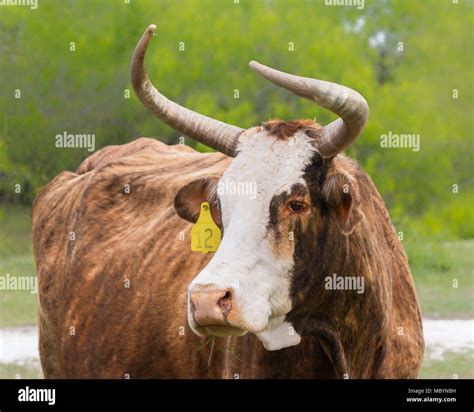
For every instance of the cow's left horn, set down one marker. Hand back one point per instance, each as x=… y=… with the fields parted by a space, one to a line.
x=218 y=135
x=349 y=105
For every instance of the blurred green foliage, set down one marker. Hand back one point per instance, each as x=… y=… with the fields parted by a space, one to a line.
x=409 y=90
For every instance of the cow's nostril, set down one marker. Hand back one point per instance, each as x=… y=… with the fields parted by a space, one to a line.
x=193 y=306
x=210 y=306
x=225 y=302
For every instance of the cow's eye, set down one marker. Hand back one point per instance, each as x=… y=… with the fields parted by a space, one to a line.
x=296 y=207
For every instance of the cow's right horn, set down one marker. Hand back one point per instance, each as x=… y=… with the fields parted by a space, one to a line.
x=349 y=105
x=213 y=133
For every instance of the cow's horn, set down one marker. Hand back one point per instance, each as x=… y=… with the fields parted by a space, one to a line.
x=349 y=105
x=218 y=135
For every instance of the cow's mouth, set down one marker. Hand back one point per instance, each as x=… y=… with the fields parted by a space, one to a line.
x=222 y=331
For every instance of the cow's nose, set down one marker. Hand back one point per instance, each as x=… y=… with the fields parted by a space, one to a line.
x=210 y=307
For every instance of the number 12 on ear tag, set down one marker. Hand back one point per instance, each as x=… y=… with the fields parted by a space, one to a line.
x=205 y=234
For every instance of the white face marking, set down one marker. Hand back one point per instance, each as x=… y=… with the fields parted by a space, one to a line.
x=245 y=260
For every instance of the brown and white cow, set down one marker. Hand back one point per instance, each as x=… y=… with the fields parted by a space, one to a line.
x=121 y=293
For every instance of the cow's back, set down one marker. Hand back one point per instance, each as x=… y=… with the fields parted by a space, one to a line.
x=113 y=262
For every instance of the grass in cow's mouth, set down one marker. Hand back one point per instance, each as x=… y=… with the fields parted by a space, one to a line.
x=235 y=354
x=210 y=341
x=207 y=342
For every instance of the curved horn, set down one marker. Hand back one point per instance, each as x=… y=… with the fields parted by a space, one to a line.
x=218 y=135
x=349 y=105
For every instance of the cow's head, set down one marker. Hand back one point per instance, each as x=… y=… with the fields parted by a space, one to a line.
x=267 y=203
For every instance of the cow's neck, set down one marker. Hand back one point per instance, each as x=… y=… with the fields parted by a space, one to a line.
x=345 y=322
x=246 y=358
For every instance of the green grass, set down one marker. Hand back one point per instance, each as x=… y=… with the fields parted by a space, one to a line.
x=453 y=365
x=435 y=266
x=17 y=371
x=17 y=307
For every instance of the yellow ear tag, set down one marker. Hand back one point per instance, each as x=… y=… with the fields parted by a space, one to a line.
x=205 y=234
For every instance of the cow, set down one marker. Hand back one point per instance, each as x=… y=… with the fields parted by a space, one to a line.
x=309 y=281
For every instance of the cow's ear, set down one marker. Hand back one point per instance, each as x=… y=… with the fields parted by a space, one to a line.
x=187 y=201
x=341 y=196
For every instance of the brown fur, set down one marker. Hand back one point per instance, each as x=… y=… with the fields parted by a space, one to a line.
x=377 y=334
x=285 y=129
x=119 y=237
x=112 y=302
